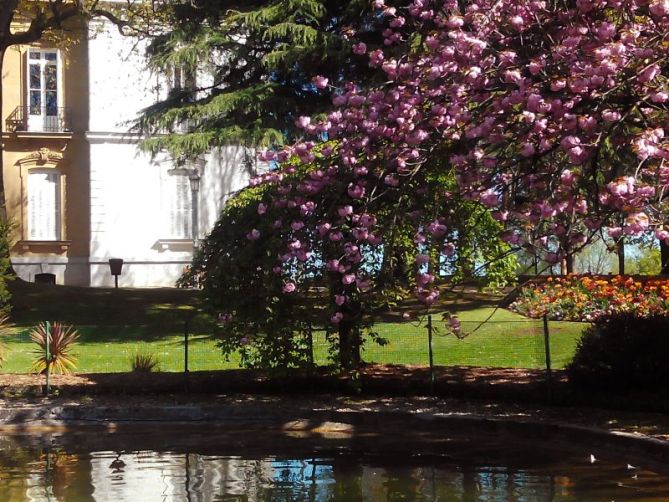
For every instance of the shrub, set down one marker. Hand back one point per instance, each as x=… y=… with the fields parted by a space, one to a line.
x=144 y=363
x=61 y=339
x=5 y=329
x=6 y=271
x=623 y=351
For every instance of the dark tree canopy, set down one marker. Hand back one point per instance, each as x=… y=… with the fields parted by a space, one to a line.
x=256 y=63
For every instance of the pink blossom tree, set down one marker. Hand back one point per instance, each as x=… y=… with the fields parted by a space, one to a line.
x=550 y=115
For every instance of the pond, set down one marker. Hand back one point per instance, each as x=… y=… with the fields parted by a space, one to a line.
x=159 y=463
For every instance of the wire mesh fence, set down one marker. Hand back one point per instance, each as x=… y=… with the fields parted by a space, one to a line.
x=496 y=343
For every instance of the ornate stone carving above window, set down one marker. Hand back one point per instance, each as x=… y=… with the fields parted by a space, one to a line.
x=42 y=156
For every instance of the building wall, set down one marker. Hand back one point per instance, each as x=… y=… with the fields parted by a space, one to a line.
x=65 y=152
x=128 y=219
x=112 y=193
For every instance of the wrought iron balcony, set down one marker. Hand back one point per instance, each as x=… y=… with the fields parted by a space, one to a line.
x=51 y=121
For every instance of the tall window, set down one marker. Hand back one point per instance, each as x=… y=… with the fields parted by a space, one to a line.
x=43 y=92
x=181 y=78
x=44 y=205
x=177 y=205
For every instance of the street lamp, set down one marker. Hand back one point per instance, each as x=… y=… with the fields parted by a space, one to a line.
x=194 y=178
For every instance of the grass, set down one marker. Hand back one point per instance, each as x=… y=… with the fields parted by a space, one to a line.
x=115 y=325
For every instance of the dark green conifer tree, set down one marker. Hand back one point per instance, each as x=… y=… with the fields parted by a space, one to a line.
x=255 y=62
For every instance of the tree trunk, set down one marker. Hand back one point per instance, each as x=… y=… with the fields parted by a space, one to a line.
x=349 y=345
x=3 y=204
x=567 y=265
x=664 y=258
x=620 y=250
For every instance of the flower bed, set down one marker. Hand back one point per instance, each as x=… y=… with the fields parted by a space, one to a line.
x=588 y=298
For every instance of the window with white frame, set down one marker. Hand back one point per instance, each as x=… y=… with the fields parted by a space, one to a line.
x=43 y=91
x=44 y=205
x=181 y=78
x=177 y=205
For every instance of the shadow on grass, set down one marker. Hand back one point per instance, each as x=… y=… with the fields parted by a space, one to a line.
x=32 y=303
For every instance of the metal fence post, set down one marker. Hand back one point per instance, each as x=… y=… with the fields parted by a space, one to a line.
x=547 y=352
x=47 y=350
x=310 y=343
x=430 y=352
x=186 y=333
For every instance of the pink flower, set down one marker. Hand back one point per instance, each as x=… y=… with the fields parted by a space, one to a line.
x=661 y=234
x=660 y=96
x=253 y=235
x=659 y=8
x=610 y=115
x=360 y=48
x=424 y=279
x=340 y=299
x=333 y=265
x=489 y=198
x=345 y=211
x=567 y=177
x=614 y=232
x=637 y=223
x=449 y=249
x=454 y=324
x=303 y=122
x=336 y=318
x=528 y=150
x=391 y=180
x=321 y=82
x=552 y=258
x=362 y=284
x=289 y=287
x=356 y=191
x=376 y=57
x=427 y=296
x=262 y=208
x=348 y=279
x=649 y=73
x=422 y=259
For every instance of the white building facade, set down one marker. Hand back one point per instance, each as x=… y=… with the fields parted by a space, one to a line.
x=148 y=211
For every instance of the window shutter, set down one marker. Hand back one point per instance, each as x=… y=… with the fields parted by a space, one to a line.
x=179 y=207
x=43 y=206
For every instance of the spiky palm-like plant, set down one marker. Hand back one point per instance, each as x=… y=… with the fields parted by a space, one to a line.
x=61 y=339
x=144 y=363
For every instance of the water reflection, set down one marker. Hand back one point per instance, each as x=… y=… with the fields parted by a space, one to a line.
x=68 y=473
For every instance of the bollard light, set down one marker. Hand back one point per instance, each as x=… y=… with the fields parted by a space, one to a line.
x=116 y=267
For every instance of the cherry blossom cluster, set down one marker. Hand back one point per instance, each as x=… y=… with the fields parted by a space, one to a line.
x=551 y=114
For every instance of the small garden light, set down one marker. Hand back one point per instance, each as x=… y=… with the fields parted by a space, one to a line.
x=116 y=266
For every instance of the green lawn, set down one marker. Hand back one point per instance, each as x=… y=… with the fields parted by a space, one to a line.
x=116 y=324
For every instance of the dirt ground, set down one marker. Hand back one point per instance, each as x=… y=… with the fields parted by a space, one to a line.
x=383 y=379
x=472 y=383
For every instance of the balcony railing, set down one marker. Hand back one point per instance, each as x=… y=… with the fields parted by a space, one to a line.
x=57 y=120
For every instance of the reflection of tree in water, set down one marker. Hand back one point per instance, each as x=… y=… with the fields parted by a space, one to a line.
x=15 y=457
x=33 y=469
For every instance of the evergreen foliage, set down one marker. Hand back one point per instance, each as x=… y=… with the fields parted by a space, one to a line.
x=255 y=62
x=6 y=272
